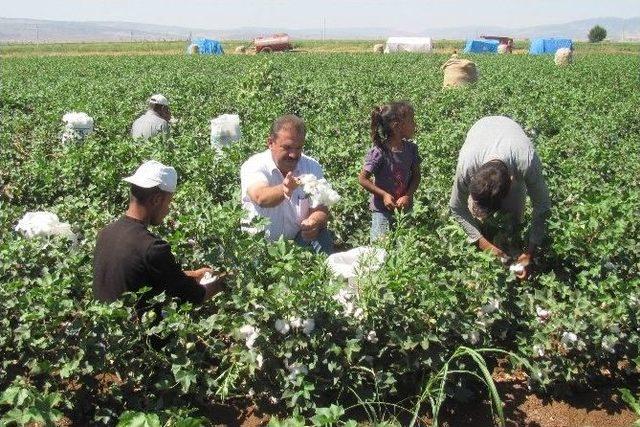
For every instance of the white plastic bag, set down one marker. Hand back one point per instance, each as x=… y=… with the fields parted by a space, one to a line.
x=46 y=224
x=77 y=125
x=360 y=260
x=225 y=130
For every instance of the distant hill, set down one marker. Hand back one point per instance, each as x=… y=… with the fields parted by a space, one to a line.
x=32 y=30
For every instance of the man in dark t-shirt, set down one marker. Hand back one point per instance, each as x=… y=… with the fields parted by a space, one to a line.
x=129 y=257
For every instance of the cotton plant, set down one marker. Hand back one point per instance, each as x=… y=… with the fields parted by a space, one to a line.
x=45 y=224
x=319 y=190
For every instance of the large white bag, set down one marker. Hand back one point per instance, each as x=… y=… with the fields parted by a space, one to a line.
x=360 y=260
x=225 y=130
x=77 y=125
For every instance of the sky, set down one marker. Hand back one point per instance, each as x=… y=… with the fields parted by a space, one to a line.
x=411 y=15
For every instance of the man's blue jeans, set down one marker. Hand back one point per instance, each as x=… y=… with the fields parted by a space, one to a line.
x=322 y=244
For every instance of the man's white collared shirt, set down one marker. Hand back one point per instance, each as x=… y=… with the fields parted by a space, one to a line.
x=285 y=218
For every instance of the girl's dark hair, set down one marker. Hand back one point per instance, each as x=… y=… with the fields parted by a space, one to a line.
x=382 y=118
x=490 y=184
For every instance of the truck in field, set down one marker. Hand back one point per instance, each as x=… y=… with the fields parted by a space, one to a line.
x=280 y=42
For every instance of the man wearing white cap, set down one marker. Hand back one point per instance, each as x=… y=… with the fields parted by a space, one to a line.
x=154 y=121
x=129 y=257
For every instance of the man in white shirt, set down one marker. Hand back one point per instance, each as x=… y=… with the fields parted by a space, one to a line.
x=155 y=121
x=270 y=190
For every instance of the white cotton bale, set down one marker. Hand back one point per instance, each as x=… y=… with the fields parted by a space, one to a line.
x=563 y=56
x=459 y=72
x=194 y=49
x=240 y=49
x=378 y=48
x=503 y=49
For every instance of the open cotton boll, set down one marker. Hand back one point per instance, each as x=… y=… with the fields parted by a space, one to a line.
x=208 y=278
x=41 y=223
x=319 y=190
x=517 y=268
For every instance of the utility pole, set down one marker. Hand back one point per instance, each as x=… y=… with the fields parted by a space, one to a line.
x=37 y=35
x=324 y=27
x=130 y=36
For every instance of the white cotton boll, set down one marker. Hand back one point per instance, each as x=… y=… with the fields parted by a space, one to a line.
x=259 y=360
x=568 y=338
x=208 y=278
x=474 y=337
x=282 y=326
x=308 y=326
x=372 y=337
x=273 y=400
x=45 y=224
x=542 y=314
x=296 y=322
x=250 y=334
x=538 y=350
x=297 y=369
x=490 y=307
x=517 y=268
x=609 y=343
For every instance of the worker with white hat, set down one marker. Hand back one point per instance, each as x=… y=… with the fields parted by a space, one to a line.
x=129 y=257
x=155 y=120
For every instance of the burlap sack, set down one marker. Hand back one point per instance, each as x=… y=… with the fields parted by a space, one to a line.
x=459 y=72
x=564 y=56
x=378 y=48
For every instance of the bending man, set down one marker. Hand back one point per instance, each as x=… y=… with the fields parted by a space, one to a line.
x=497 y=168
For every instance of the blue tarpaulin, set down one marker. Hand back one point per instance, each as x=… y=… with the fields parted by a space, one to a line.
x=481 y=46
x=208 y=46
x=541 y=46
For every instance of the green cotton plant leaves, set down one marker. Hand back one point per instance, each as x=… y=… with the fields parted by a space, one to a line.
x=138 y=419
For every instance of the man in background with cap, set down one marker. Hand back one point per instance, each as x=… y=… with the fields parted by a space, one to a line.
x=154 y=121
x=497 y=168
x=129 y=257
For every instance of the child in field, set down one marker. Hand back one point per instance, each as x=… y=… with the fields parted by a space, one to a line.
x=394 y=162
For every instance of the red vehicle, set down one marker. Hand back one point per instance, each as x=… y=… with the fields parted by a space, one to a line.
x=507 y=41
x=275 y=43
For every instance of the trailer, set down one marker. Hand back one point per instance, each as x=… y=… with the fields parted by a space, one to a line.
x=280 y=42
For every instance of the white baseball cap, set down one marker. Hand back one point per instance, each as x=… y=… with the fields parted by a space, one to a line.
x=158 y=99
x=152 y=173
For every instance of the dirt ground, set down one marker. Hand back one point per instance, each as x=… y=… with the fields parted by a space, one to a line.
x=600 y=408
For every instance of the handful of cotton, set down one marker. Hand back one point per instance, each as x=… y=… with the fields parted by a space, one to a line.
x=319 y=190
x=208 y=278
x=41 y=223
x=517 y=268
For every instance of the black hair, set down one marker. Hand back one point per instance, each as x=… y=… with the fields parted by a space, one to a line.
x=490 y=185
x=143 y=195
x=288 y=121
x=382 y=117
